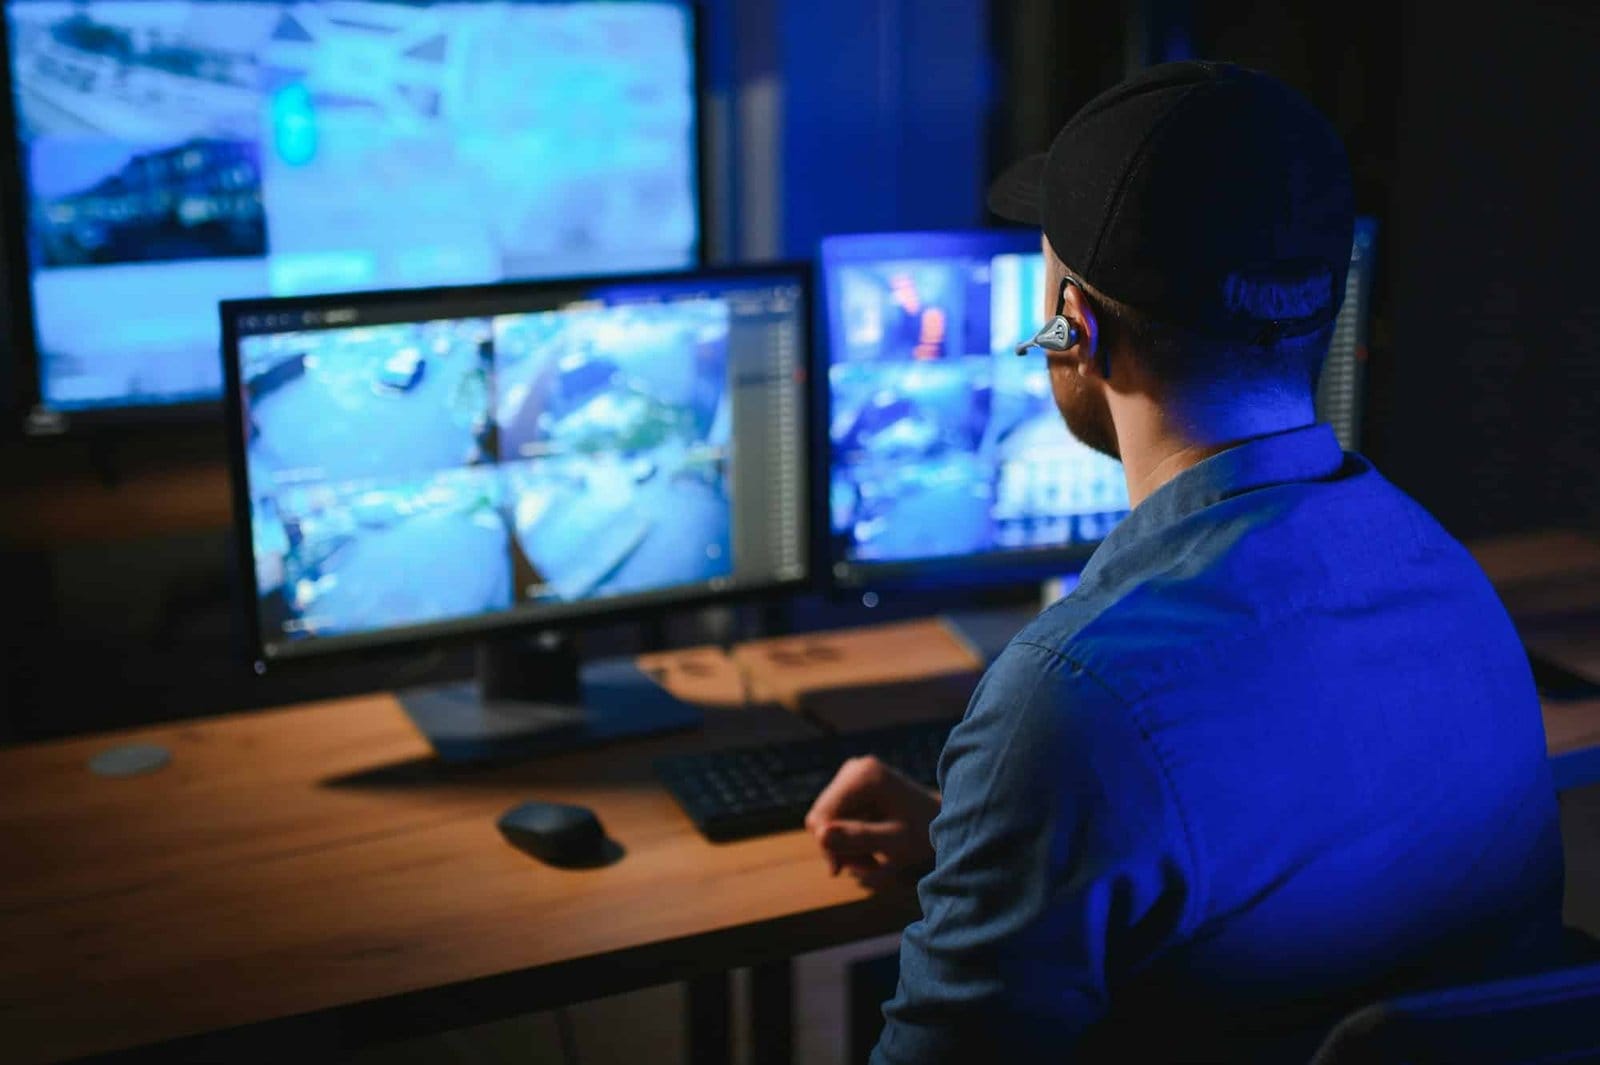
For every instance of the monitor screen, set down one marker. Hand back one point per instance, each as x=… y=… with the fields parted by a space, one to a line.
x=1341 y=390
x=947 y=457
x=411 y=464
x=175 y=153
x=945 y=445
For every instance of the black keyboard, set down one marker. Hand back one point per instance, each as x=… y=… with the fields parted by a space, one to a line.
x=752 y=791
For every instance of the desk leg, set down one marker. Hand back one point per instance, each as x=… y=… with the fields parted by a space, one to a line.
x=772 y=1013
x=709 y=1026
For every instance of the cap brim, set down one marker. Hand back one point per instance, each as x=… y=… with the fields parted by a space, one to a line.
x=1015 y=193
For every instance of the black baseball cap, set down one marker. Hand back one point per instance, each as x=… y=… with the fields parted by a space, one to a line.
x=1197 y=193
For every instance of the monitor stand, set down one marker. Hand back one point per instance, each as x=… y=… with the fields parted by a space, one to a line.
x=531 y=697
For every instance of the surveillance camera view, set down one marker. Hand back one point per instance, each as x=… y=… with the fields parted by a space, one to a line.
x=328 y=555
x=379 y=401
x=621 y=417
x=417 y=472
x=181 y=152
x=945 y=443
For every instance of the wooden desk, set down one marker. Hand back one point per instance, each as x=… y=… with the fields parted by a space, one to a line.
x=806 y=673
x=309 y=877
x=1550 y=584
x=1572 y=736
x=1517 y=562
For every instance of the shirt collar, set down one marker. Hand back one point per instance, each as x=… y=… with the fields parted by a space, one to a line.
x=1310 y=453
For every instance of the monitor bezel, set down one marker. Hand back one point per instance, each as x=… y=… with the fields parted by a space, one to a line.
x=847 y=577
x=31 y=416
x=565 y=617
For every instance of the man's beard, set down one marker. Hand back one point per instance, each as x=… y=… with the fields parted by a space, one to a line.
x=1085 y=411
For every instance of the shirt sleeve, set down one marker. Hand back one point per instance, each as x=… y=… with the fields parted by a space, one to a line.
x=1061 y=866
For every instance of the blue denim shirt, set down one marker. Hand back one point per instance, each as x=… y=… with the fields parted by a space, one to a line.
x=1280 y=748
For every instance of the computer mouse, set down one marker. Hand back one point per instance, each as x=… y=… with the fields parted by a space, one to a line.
x=565 y=836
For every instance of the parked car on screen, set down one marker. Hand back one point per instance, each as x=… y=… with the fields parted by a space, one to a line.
x=401 y=371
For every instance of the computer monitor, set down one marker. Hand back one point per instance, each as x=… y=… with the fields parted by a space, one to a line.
x=173 y=153
x=460 y=462
x=1342 y=388
x=946 y=460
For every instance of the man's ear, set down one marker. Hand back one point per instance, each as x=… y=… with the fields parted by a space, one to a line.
x=1076 y=310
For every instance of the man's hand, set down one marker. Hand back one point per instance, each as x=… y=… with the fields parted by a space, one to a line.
x=873 y=821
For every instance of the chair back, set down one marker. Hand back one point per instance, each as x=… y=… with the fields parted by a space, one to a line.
x=1546 y=1018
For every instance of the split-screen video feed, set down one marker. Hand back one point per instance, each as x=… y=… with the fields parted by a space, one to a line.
x=377 y=401
x=615 y=425
x=410 y=473
x=365 y=556
x=945 y=442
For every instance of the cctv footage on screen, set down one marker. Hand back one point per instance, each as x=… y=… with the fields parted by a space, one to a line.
x=410 y=473
x=182 y=152
x=944 y=441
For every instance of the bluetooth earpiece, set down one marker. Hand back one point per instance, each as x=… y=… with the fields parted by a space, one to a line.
x=1058 y=334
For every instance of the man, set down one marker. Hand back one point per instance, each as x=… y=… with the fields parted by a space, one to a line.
x=1280 y=750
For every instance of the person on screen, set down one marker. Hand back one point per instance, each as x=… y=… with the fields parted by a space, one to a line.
x=913 y=323
x=1280 y=751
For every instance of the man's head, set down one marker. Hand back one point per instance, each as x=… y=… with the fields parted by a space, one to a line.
x=1204 y=215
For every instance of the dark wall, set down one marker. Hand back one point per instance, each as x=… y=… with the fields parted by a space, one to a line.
x=121 y=633
x=884 y=105
x=1470 y=134
x=1494 y=225
x=1050 y=59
